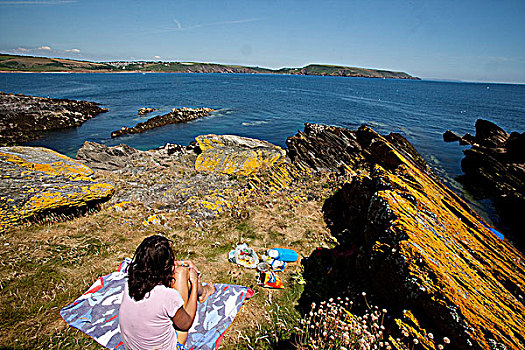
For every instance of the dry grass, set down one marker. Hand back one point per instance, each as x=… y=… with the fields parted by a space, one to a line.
x=44 y=267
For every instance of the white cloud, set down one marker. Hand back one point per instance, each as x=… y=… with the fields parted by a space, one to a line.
x=47 y=51
x=157 y=57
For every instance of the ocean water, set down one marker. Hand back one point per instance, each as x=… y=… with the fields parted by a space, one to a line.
x=274 y=107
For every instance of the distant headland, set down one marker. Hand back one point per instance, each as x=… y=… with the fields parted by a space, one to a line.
x=17 y=63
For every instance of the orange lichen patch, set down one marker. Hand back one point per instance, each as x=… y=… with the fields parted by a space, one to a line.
x=267 y=175
x=42 y=181
x=121 y=206
x=215 y=203
x=243 y=162
x=70 y=198
x=455 y=259
x=280 y=175
x=206 y=143
x=230 y=154
x=264 y=164
x=155 y=219
x=395 y=344
x=66 y=166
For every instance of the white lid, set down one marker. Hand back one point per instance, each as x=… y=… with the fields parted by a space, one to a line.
x=273 y=253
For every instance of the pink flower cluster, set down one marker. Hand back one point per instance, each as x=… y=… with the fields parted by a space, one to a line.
x=331 y=325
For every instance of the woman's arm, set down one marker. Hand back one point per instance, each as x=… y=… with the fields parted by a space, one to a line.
x=184 y=317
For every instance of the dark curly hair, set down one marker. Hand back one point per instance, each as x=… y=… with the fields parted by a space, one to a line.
x=152 y=264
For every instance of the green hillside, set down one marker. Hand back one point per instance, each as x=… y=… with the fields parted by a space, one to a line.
x=15 y=63
x=318 y=69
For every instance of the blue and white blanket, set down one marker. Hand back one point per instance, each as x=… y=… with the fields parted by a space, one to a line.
x=96 y=312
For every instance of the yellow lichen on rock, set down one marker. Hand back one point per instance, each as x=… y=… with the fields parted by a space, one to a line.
x=239 y=162
x=451 y=257
x=43 y=160
x=265 y=165
x=231 y=154
x=215 y=201
x=42 y=181
x=421 y=247
x=206 y=143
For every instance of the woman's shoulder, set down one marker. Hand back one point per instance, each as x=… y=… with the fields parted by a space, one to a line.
x=161 y=289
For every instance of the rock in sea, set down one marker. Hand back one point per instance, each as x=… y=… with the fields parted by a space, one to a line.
x=494 y=167
x=24 y=118
x=181 y=115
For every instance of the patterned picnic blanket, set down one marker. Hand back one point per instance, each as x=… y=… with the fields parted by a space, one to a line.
x=96 y=312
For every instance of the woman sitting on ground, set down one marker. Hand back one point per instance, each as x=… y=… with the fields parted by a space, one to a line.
x=160 y=301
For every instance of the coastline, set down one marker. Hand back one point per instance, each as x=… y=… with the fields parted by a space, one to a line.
x=193 y=72
x=26 y=64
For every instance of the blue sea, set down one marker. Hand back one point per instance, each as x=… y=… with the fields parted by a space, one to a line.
x=274 y=107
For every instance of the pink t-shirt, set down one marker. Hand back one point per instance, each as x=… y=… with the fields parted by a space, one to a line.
x=147 y=324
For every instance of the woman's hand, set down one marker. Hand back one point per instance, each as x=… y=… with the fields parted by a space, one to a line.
x=194 y=277
x=189 y=264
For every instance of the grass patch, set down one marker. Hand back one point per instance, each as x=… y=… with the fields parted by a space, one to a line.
x=46 y=266
x=246 y=231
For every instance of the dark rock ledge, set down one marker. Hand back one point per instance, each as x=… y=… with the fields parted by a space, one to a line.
x=411 y=243
x=181 y=115
x=24 y=118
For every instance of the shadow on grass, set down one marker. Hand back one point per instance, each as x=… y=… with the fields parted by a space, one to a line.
x=331 y=272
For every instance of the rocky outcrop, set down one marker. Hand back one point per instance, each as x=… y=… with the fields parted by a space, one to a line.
x=162 y=179
x=25 y=118
x=181 y=115
x=494 y=167
x=36 y=182
x=101 y=157
x=231 y=154
x=343 y=151
x=414 y=244
x=145 y=110
x=201 y=179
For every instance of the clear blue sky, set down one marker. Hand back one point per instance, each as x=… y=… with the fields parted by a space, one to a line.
x=465 y=40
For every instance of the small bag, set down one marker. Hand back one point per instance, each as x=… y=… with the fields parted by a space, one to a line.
x=244 y=256
x=269 y=279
